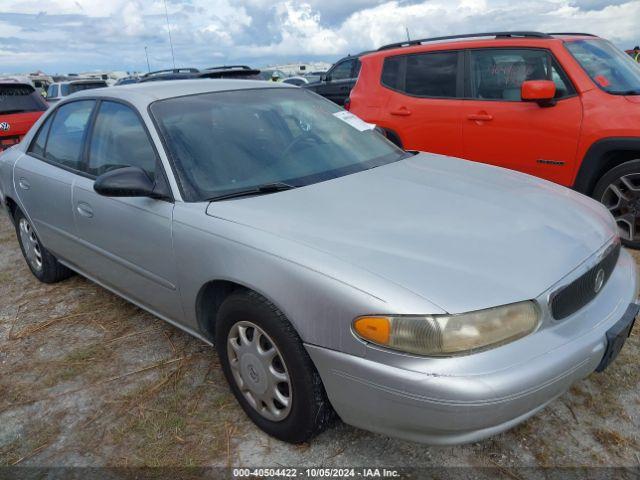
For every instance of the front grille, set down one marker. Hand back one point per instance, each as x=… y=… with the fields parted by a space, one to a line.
x=571 y=298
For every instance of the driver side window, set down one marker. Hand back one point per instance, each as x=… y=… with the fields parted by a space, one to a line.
x=119 y=140
x=342 y=71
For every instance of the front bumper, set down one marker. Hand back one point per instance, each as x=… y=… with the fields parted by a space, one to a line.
x=432 y=403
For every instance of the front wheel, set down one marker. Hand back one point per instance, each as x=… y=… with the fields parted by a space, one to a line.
x=619 y=191
x=268 y=369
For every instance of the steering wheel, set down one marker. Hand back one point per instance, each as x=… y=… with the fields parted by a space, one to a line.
x=306 y=137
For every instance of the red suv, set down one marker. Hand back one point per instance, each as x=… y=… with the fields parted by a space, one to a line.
x=20 y=106
x=565 y=107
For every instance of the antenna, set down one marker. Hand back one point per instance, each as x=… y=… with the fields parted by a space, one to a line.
x=147 y=55
x=166 y=14
x=408 y=36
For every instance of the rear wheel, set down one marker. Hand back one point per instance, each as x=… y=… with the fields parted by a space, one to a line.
x=268 y=369
x=619 y=191
x=44 y=266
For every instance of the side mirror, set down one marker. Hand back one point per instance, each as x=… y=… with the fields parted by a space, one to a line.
x=325 y=78
x=125 y=182
x=540 y=91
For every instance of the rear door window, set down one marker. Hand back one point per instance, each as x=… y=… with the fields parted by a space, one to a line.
x=68 y=130
x=393 y=72
x=431 y=75
x=20 y=99
x=498 y=74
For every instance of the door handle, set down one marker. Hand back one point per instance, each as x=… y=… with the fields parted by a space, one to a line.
x=480 y=117
x=84 y=209
x=24 y=184
x=401 y=112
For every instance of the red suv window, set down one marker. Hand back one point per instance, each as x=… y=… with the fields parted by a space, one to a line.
x=20 y=99
x=433 y=74
x=498 y=73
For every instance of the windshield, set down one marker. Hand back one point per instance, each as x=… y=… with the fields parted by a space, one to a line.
x=20 y=99
x=610 y=68
x=225 y=142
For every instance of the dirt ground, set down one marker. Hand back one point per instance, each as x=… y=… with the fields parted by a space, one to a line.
x=87 y=379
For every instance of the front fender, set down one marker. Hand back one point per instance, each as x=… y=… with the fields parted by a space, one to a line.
x=318 y=294
x=600 y=158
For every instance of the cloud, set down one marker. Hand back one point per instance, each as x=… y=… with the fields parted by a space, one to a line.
x=76 y=35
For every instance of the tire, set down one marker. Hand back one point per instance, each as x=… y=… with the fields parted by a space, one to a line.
x=251 y=380
x=619 y=191
x=44 y=266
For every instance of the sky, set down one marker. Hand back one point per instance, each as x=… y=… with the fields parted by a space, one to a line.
x=62 y=36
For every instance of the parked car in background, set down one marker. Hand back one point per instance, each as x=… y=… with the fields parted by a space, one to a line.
x=238 y=72
x=313 y=77
x=20 y=106
x=337 y=83
x=169 y=74
x=564 y=107
x=41 y=82
x=418 y=295
x=58 y=90
x=272 y=75
x=127 y=80
x=297 y=81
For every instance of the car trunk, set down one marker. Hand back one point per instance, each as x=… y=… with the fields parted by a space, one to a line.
x=20 y=107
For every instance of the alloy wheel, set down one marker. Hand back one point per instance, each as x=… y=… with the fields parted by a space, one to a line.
x=622 y=198
x=32 y=249
x=259 y=370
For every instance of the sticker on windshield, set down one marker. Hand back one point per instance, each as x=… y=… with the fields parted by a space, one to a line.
x=357 y=123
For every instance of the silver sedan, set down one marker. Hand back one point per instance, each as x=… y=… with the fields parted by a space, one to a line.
x=414 y=295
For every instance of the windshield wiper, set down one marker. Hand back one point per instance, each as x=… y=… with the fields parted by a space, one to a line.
x=259 y=190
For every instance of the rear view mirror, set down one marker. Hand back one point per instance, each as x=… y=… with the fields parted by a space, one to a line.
x=540 y=91
x=125 y=182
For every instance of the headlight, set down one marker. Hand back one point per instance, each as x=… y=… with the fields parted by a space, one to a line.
x=447 y=335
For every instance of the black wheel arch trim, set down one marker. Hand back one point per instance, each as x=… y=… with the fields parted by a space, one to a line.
x=600 y=158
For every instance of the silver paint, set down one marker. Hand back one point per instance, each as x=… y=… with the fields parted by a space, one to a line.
x=426 y=235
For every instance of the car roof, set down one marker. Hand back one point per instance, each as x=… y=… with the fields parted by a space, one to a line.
x=84 y=80
x=148 y=92
x=488 y=40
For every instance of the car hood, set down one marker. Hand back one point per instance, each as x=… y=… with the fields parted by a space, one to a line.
x=461 y=234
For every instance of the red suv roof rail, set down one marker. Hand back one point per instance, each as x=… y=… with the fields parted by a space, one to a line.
x=574 y=33
x=467 y=35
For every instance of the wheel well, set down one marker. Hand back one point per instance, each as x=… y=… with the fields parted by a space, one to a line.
x=12 y=206
x=612 y=160
x=208 y=302
x=601 y=157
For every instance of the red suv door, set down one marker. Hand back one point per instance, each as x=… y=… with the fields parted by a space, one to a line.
x=500 y=129
x=424 y=105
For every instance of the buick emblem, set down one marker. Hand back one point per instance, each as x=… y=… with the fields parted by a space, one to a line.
x=599 y=281
x=4 y=126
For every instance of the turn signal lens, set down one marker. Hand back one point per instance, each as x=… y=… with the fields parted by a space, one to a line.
x=446 y=335
x=374 y=329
